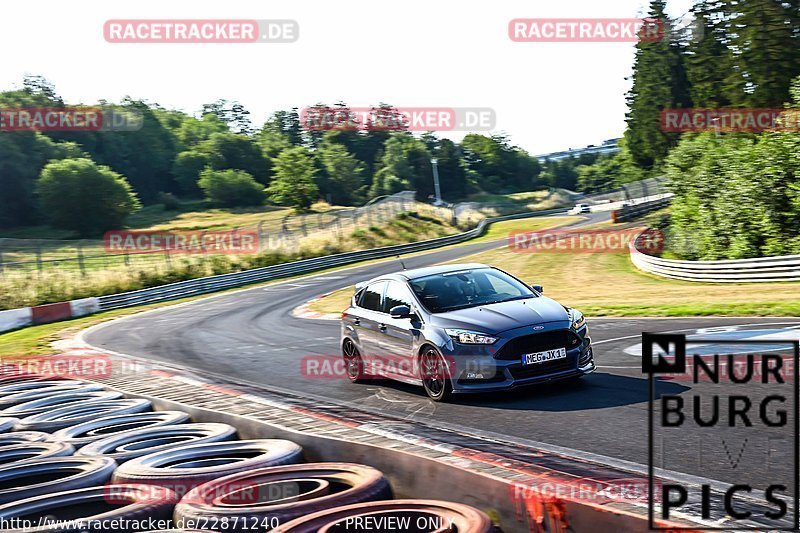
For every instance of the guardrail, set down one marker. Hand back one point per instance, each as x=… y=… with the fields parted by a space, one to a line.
x=205 y=285
x=633 y=211
x=762 y=269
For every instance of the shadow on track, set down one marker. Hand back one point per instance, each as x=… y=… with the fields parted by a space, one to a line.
x=595 y=391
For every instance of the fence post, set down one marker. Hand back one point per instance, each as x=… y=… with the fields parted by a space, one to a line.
x=39 y=259
x=80 y=258
x=303 y=225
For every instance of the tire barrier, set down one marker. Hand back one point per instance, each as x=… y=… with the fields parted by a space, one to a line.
x=21 y=437
x=105 y=508
x=406 y=515
x=29 y=451
x=55 y=401
x=82 y=434
x=271 y=496
x=63 y=417
x=36 y=393
x=21 y=384
x=44 y=476
x=136 y=443
x=182 y=469
x=7 y=424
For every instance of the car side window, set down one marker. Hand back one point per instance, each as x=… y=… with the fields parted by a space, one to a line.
x=371 y=299
x=396 y=294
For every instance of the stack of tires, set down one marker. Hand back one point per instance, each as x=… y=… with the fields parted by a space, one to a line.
x=77 y=458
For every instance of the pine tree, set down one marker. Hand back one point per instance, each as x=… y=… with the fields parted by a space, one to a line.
x=659 y=82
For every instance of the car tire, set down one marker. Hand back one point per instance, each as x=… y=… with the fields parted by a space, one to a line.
x=7 y=424
x=48 y=403
x=63 y=417
x=465 y=519
x=133 y=444
x=435 y=374
x=53 y=475
x=82 y=434
x=182 y=469
x=311 y=488
x=353 y=362
x=31 y=451
x=115 y=507
x=21 y=437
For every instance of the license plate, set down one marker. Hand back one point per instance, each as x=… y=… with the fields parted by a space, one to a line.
x=543 y=357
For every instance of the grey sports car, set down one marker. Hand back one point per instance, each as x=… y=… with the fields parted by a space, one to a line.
x=461 y=328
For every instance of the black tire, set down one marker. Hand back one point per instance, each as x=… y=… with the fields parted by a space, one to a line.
x=48 y=403
x=31 y=451
x=182 y=469
x=21 y=437
x=17 y=385
x=293 y=491
x=133 y=444
x=7 y=424
x=45 y=476
x=353 y=362
x=70 y=415
x=9 y=400
x=80 y=435
x=106 y=508
x=435 y=374
x=465 y=519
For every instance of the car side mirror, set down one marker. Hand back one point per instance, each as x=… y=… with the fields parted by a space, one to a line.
x=538 y=288
x=400 y=311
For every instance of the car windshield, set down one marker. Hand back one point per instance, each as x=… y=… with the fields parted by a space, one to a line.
x=468 y=288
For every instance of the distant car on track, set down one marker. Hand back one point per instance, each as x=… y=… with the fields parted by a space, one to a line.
x=461 y=328
x=580 y=209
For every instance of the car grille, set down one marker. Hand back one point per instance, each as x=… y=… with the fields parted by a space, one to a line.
x=538 y=342
x=543 y=369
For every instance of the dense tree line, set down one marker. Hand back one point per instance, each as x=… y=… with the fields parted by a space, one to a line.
x=736 y=193
x=220 y=156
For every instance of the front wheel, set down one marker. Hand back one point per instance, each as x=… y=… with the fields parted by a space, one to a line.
x=435 y=377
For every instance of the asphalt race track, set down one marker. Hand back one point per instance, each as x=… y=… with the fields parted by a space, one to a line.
x=251 y=336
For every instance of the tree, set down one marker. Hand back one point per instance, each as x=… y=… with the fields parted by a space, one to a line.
x=231 y=188
x=293 y=184
x=79 y=195
x=659 y=82
x=405 y=164
x=233 y=114
x=765 y=38
x=344 y=173
x=187 y=168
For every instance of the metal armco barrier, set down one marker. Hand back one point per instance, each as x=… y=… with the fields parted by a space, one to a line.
x=631 y=212
x=781 y=268
x=205 y=285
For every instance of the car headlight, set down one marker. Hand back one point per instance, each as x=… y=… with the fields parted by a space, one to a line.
x=470 y=337
x=577 y=319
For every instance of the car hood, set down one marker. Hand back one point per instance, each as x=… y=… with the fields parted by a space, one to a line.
x=496 y=318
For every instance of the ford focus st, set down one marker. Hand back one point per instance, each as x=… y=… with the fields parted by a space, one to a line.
x=459 y=329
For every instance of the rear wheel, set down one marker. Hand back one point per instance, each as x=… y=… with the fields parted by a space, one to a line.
x=435 y=377
x=353 y=363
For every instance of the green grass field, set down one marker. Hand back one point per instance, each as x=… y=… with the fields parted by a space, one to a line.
x=607 y=284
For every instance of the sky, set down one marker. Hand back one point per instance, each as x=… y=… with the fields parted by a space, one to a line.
x=409 y=53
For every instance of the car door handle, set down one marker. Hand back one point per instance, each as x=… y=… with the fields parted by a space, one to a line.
x=357 y=321
x=382 y=327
